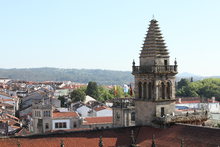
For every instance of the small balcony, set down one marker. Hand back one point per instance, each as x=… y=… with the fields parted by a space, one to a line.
x=154 y=69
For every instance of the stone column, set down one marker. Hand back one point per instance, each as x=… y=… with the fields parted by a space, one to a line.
x=142 y=88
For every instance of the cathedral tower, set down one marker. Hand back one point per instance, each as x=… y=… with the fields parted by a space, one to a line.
x=154 y=79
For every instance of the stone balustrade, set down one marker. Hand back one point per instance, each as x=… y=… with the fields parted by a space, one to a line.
x=154 y=69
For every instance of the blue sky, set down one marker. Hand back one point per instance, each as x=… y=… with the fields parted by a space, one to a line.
x=107 y=34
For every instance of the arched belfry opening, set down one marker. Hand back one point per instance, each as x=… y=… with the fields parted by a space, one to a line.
x=169 y=90
x=154 y=78
x=140 y=90
x=163 y=89
x=149 y=90
x=145 y=90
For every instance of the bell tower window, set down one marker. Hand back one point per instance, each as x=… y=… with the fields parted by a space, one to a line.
x=149 y=91
x=145 y=90
x=168 y=90
x=163 y=91
x=140 y=90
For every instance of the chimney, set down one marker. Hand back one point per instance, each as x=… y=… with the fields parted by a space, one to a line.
x=179 y=100
x=213 y=99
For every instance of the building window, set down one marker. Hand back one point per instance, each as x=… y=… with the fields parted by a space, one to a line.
x=162 y=112
x=60 y=125
x=46 y=126
x=132 y=116
x=37 y=114
x=64 y=125
x=56 y=125
x=46 y=113
x=74 y=125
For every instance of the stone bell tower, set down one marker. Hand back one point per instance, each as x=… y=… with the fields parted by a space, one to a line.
x=154 y=79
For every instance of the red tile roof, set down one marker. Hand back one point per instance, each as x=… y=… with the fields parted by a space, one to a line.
x=64 y=114
x=101 y=108
x=98 y=120
x=7 y=100
x=164 y=137
x=11 y=116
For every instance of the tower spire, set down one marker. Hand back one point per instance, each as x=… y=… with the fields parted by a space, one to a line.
x=154 y=45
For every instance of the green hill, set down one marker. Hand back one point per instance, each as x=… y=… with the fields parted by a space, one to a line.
x=104 y=77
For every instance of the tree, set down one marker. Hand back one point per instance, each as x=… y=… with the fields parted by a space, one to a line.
x=104 y=94
x=77 y=95
x=206 y=88
x=117 y=91
x=92 y=90
x=182 y=83
x=62 y=101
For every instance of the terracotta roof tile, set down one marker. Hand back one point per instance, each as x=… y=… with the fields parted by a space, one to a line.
x=64 y=114
x=166 y=137
x=11 y=116
x=100 y=108
x=7 y=100
x=98 y=120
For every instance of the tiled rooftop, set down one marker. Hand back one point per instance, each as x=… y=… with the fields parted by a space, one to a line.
x=101 y=108
x=169 y=137
x=98 y=120
x=64 y=114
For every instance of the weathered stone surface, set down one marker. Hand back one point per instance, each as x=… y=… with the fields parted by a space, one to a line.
x=154 y=79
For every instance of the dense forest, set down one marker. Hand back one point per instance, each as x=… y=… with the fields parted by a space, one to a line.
x=206 y=88
x=103 y=77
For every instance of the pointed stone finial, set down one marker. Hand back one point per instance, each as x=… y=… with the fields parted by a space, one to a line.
x=153 y=141
x=182 y=143
x=100 y=142
x=132 y=138
x=175 y=62
x=61 y=143
x=133 y=62
x=18 y=143
x=153 y=17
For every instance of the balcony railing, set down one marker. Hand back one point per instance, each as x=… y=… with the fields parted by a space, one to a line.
x=183 y=118
x=155 y=69
x=123 y=102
